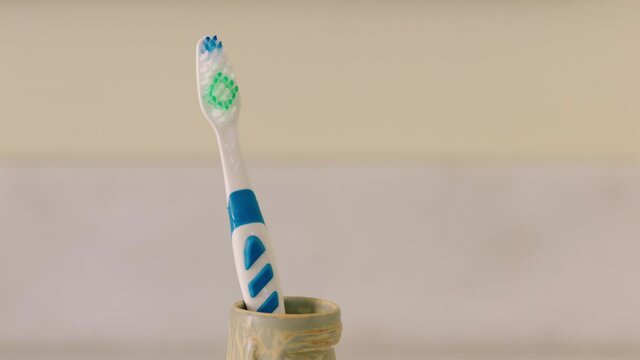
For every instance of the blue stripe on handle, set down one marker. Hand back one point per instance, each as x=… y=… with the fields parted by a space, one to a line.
x=243 y=208
x=253 y=248
x=269 y=305
x=261 y=280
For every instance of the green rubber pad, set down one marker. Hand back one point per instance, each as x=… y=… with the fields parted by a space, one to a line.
x=222 y=92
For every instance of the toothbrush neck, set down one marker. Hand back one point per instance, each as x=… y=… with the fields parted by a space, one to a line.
x=235 y=174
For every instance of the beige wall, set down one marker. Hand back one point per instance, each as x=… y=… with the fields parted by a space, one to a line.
x=435 y=80
x=439 y=262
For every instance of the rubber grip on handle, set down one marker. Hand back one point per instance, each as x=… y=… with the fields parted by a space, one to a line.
x=255 y=265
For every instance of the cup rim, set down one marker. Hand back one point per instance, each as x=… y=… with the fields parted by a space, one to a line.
x=239 y=307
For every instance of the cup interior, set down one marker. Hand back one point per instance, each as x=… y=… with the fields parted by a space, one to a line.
x=302 y=305
x=297 y=305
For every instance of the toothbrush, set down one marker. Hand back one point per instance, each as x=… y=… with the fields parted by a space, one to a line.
x=253 y=256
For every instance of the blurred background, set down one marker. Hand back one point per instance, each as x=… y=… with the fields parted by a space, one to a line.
x=461 y=177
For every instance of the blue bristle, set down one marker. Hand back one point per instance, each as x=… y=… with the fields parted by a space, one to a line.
x=211 y=43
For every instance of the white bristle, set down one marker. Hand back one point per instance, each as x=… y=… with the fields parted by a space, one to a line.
x=209 y=64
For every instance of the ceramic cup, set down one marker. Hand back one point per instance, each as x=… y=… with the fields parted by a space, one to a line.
x=309 y=330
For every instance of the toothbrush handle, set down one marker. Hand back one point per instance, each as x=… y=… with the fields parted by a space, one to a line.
x=235 y=175
x=255 y=264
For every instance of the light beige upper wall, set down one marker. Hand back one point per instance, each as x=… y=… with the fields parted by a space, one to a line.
x=440 y=80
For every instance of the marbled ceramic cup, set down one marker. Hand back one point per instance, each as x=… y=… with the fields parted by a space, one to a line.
x=309 y=330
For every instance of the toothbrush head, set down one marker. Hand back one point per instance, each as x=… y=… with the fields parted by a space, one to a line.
x=217 y=86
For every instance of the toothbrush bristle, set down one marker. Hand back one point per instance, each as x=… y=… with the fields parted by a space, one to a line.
x=210 y=44
x=222 y=92
x=217 y=83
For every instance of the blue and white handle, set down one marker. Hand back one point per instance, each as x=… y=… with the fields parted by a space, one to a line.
x=254 y=260
x=253 y=256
